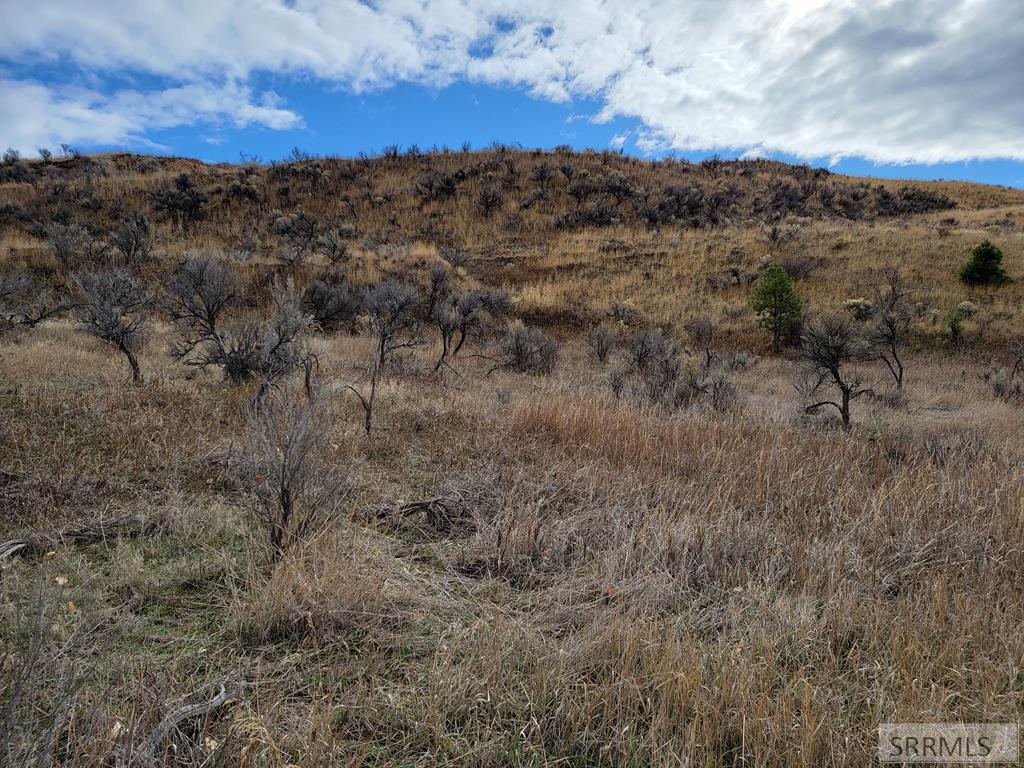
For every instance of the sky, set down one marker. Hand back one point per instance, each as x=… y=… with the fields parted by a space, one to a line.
x=896 y=88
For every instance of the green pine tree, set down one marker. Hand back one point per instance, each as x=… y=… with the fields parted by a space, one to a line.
x=777 y=304
x=985 y=267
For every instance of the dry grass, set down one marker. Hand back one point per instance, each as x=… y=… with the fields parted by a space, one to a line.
x=607 y=583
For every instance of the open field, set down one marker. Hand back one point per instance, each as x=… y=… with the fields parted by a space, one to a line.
x=513 y=567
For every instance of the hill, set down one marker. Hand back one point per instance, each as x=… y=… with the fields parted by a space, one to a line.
x=484 y=459
x=569 y=235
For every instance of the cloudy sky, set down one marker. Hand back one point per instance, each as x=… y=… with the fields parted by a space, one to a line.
x=926 y=88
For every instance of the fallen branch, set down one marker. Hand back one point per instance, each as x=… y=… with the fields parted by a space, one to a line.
x=126 y=526
x=177 y=716
x=8 y=548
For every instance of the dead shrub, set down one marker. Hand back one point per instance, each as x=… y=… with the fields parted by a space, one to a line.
x=287 y=467
x=112 y=308
x=527 y=350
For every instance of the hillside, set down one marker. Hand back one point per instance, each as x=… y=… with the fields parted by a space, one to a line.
x=569 y=235
x=485 y=459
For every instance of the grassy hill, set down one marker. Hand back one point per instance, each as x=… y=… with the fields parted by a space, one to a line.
x=538 y=555
x=569 y=235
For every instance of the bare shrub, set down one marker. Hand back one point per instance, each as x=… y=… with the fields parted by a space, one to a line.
x=527 y=350
x=183 y=201
x=295 y=488
x=132 y=239
x=331 y=302
x=438 y=290
x=489 y=200
x=648 y=346
x=111 y=308
x=701 y=331
x=299 y=233
x=40 y=680
x=198 y=295
x=460 y=316
x=456 y=257
x=280 y=347
x=74 y=246
x=541 y=173
x=391 y=312
x=334 y=245
x=721 y=390
x=894 y=315
x=602 y=340
x=799 y=266
x=26 y=301
x=436 y=186
x=831 y=345
x=778 y=231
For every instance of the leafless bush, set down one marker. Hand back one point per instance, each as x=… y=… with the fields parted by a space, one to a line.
x=1017 y=351
x=198 y=295
x=648 y=346
x=74 y=246
x=183 y=201
x=616 y=184
x=332 y=303
x=909 y=200
x=831 y=345
x=391 y=312
x=334 y=245
x=799 y=266
x=600 y=213
x=280 y=347
x=295 y=488
x=456 y=257
x=777 y=231
x=489 y=200
x=112 y=309
x=701 y=331
x=580 y=189
x=457 y=317
x=1005 y=384
x=39 y=683
x=528 y=350
x=299 y=234
x=602 y=340
x=438 y=290
x=132 y=239
x=26 y=301
x=541 y=173
x=894 y=315
x=436 y=186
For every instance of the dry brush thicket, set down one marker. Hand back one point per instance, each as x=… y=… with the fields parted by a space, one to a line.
x=485 y=458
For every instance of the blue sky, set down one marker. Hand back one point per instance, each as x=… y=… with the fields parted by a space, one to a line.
x=876 y=88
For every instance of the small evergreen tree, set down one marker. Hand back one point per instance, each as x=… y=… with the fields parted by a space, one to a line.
x=777 y=305
x=985 y=267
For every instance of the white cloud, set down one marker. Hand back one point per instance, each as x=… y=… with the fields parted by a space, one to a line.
x=618 y=140
x=890 y=80
x=37 y=115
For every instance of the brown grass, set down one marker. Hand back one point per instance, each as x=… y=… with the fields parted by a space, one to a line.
x=612 y=583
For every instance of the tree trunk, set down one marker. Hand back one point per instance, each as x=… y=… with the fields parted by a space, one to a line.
x=133 y=361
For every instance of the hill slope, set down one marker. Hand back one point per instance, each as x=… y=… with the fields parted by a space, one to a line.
x=570 y=235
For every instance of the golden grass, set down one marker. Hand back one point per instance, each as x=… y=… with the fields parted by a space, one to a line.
x=616 y=585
